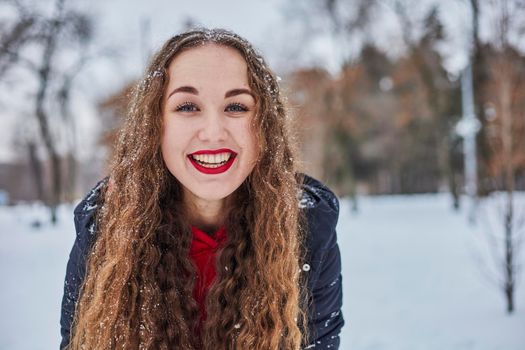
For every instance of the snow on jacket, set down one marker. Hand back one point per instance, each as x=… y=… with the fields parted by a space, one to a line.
x=323 y=263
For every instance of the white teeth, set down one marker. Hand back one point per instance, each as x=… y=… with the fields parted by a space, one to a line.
x=212 y=158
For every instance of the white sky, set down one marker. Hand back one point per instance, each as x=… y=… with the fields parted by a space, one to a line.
x=120 y=23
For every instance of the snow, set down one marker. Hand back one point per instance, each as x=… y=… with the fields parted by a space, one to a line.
x=32 y=269
x=410 y=280
x=409 y=274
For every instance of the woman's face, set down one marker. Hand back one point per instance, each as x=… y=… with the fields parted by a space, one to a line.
x=208 y=109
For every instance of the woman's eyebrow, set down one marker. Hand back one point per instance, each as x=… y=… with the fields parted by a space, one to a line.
x=236 y=92
x=188 y=89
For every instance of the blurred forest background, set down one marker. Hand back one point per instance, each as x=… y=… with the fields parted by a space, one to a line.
x=384 y=121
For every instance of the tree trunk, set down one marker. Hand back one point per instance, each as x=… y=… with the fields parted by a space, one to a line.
x=507 y=140
x=41 y=115
x=36 y=168
x=509 y=258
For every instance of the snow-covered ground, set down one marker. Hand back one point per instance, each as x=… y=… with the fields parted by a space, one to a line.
x=32 y=270
x=410 y=273
x=411 y=279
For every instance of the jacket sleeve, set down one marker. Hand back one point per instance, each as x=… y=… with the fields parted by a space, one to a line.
x=326 y=317
x=84 y=216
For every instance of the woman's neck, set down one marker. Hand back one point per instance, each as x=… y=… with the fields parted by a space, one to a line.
x=206 y=215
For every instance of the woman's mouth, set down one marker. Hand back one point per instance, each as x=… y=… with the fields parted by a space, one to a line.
x=212 y=160
x=212 y=163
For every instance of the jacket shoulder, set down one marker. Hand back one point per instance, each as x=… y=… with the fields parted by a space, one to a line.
x=314 y=193
x=85 y=210
x=322 y=211
x=319 y=200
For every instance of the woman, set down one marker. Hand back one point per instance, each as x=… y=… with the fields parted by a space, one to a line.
x=205 y=235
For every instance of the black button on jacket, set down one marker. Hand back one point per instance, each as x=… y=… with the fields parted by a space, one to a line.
x=323 y=264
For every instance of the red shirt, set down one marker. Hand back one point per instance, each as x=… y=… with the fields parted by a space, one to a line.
x=202 y=252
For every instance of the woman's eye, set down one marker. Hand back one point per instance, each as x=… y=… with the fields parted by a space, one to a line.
x=237 y=107
x=186 y=107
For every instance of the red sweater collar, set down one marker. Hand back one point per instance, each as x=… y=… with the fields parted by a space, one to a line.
x=204 y=242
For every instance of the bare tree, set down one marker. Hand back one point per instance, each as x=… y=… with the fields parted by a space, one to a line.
x=79 y=27
x=15 y=35
x=69 y=32
x=506 y=79
x=499 y=255
x=504 y=90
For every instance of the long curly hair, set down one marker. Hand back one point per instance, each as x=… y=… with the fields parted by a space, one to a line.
x=137 y=293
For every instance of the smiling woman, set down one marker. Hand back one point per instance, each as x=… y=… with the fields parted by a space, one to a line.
x=205 y=235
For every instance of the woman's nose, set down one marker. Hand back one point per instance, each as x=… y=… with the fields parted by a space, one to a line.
x=214 y=128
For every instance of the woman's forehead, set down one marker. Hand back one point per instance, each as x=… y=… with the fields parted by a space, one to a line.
x=210 y=70
x=210 y=60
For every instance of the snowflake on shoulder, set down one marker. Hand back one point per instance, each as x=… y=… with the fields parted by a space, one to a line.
x=306 y=200
x=90 y=202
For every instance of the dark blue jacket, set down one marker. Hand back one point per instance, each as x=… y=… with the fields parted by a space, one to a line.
x=323 y=264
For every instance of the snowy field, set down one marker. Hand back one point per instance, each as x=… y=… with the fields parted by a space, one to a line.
x=411 y=278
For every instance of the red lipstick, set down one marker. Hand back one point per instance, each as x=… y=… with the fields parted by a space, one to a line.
x=209 y=151
x=217 y=170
